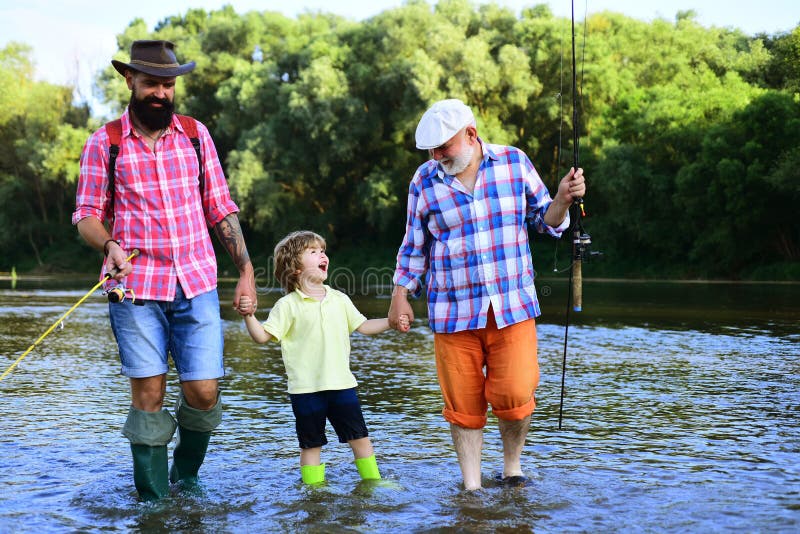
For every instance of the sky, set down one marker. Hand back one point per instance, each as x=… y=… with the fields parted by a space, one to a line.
x=73 y=39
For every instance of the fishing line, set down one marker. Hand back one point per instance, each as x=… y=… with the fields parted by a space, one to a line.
x=560 y=97
x=60 y=320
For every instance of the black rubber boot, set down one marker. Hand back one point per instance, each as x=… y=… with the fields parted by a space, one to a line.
x=194 y=432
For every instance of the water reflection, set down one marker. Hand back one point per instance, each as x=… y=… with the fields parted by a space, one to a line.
x=681 y=414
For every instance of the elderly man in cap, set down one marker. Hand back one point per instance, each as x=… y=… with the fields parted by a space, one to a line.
x=469 y=208
x=160 y=195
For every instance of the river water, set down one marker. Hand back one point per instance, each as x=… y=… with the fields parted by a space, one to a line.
x=681 y=415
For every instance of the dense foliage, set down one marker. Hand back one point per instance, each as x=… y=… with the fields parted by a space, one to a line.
x=690 y=136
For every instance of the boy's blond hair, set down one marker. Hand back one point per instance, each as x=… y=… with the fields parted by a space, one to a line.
x=287 y=257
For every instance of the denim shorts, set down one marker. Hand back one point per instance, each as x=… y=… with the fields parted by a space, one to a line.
x=340 y=407
x=190 y=330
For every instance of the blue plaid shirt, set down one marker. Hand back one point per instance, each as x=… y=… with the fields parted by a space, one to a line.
x=472 y=248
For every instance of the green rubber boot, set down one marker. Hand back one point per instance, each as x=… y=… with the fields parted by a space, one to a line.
x=149 y=433
x=194 y=432
x=313 y=474
x=190 y=451
x=150 y=471
x=368 y=468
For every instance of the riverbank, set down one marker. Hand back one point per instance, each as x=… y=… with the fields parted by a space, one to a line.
x=361 y=266
x=78 y=276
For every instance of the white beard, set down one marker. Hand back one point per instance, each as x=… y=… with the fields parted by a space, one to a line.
x=460 y=162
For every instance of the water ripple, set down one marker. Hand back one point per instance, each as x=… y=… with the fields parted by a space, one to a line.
x=671 y=423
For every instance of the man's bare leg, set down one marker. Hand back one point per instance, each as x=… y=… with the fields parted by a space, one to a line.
x=147 y=394
x=468 y=443
x=513 y=434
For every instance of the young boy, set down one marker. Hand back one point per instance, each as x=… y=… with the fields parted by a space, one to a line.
x=313 y=324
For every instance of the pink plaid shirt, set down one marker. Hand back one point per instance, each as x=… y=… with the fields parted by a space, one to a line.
x=157 y=207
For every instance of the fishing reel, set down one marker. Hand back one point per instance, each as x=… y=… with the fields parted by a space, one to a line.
x=119 y=293
x=582 y=244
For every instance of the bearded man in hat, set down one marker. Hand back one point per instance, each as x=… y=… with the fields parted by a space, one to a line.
x=469 y=208
x=163 y=196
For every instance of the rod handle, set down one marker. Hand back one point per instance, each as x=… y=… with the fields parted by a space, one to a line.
x=577 y=286
x=113 y=272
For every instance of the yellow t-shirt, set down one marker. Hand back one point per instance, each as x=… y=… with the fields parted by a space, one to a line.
x=315 y=339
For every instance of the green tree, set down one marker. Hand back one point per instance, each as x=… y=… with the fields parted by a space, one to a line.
x=41 y=135
x=783 y=69
x=742 y=191
x=314 y=118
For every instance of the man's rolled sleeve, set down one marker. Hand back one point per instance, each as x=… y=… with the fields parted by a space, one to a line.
x=406 y=280
x=560 y=229
x=217 y=200
x=412 y=260
x=91 y=197
x=537 y=221
x=539 y=200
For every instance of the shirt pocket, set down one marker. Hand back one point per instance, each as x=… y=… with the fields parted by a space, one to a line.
x=441 y=279
x=508 y=210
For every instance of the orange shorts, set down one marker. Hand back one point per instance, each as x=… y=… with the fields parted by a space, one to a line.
x=488 y=366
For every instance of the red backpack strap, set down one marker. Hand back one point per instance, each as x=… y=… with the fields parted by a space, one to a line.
x=190 y=129
x=189 y=125
x=114 y=132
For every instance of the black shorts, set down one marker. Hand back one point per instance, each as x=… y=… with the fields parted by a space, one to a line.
x=340 y=407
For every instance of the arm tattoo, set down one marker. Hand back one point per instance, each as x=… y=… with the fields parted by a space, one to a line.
x=230 y=235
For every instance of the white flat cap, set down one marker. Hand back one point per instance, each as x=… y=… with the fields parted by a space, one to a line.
x=442 y=121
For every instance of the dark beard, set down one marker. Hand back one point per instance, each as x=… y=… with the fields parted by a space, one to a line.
x=152 y=118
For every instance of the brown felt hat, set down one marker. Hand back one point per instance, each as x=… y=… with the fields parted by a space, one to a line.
x=156 y=58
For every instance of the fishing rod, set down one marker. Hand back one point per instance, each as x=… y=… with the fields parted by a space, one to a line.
x=580 y=239
x=579 y=236
x=109 y=275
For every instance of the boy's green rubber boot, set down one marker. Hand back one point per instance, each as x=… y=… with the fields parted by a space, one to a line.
x=368 y=468
x=313 y=474
x=194 y=432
